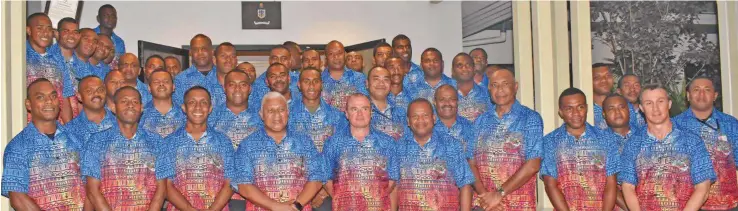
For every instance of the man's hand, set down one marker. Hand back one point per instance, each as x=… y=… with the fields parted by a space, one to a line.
x=318 y=200
x=285 y=206
x=490 y=200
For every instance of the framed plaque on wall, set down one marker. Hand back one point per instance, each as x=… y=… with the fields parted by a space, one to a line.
x=59 y=9
x=261 y=15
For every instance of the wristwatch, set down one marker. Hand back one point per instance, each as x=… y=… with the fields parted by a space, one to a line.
x=501 y=191
x=297 y=205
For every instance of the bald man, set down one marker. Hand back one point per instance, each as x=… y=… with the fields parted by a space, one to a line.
x=131 y=68
x=338 y=80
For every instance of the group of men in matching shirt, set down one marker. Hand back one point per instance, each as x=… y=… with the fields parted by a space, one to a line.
x=311 y=136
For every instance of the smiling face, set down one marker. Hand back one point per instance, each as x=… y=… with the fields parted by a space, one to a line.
x=378 y=82
x=463 y=68
x=92 y=94
x=274 y=114
x=197 y=106
x=447 y=102
x=602 y=80
x=40 y=31
x=87 y=43
x=432 y=64
x=380 y=57
x=701 y=94
x=502 y=87
x=68 y=35
x=359 y=111
x=42 y=102
x=278 y=79
x=655 y=104
x=397 y=68
x=237 y=88
x=403 y=49
x=311 y=85
x=573 y=109
x=420 y=118
x=104 y=48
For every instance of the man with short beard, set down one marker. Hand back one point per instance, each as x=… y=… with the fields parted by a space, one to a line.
x=311 y=58
x=99 y=62
x=94 y=116
x=338 y=80
x=129 y=66
x=355 y=61
x=161 y=116
x=387 y=116
x=433 y=77
x=719 y=134
x=122 y=157
x=473 y=100
x=40 y=63
x=173 y=65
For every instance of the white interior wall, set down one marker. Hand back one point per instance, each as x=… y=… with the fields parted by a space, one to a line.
x=174 y=23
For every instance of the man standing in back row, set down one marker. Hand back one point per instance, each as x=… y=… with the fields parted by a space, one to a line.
x=404 y=49
x=107 y=17
x=338 y=80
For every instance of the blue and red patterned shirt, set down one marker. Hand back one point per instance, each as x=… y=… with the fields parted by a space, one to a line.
x=126 y=168
x=462 y=130
x=391 y=121
x=361 y=171
x=422 y=89
x=83 y=128
x=580 y=165
x=336 y=92
x=320 y=125
x=720 y=136
x=46 y=170
x=162 y=124
x=475 y=103
x=236 y=126
x=431 y=175
x=665 y=171
x=192 y=77
x=51 y=67
x=281 y=170
x=502 y=145
x=198 y=169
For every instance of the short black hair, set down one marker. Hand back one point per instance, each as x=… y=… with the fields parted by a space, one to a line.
x=379 y=45
x=155 y=56
x=419 y=100
x=291 y=44
x=432 y=49
x=276 y=64
x=596 y=65
x=33 y=83
x=501 y=67
x=237 y=71
x=223 y=44
x=278 y=47
x=395 y=57
x=613 y=95
x=65 y=20
x=373 y=69
x=106 y=6
x=35 y=15
x=303 y=70
x=198 y=87
x=210 y=42
x=400 y=37
x=171 y=57
x=620 y=81
x=79 y=85
x=480 y=49
x=462 y=54
x=689 y=84
x=118 y=93
x=569 y=92
x=161 y=70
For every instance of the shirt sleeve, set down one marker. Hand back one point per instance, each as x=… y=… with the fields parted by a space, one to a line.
x=533 y=135
x=15 y=168
x=229 y=165
x=92 y=156
x=700 y=163
x=628 y=162
x=468 y=136
x=329 y=158
x=393 y=166
x=612 y=165
x=548 y=162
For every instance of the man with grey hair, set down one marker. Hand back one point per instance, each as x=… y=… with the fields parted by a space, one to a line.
x=278 y=162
